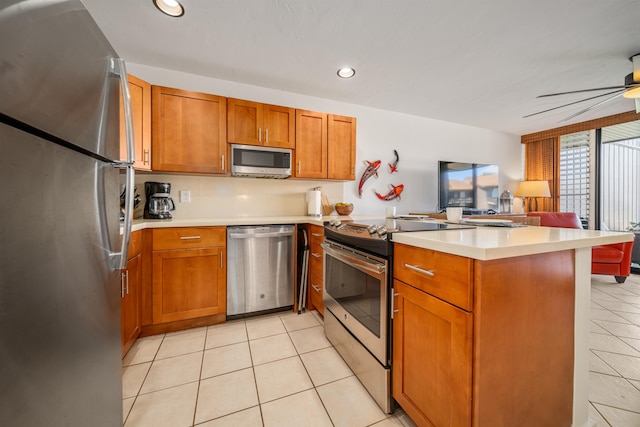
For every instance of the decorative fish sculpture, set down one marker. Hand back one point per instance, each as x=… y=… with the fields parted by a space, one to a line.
x=372 y=169
x=393 y=167
x=394 y=193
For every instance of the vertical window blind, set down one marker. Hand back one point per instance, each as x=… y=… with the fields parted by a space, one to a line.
x=574 y=173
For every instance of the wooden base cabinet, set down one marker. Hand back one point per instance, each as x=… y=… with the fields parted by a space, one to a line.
x=189 y=273
x=483 y=343
x=131 y=288
x=316 y=265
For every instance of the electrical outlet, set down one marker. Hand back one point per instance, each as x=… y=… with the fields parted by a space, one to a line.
x=185 y=196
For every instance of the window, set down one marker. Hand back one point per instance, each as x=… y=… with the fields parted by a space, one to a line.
x=575 y=170
x=620 y=176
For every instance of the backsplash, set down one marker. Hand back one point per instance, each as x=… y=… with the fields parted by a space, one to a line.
x=213 y=197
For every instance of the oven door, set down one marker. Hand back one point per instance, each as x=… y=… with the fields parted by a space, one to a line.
x=356 y=292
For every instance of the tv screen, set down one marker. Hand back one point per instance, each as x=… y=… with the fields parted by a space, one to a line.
x=468 y=185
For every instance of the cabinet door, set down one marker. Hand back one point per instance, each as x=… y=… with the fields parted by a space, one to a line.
x=189 y=131
x=280 y=126
x=341 y=151
x=130 y=312
x=140 y=92
x=315 y=293
x=311 y=144
x=244 y=122
x=432 y=345
x=188 y=284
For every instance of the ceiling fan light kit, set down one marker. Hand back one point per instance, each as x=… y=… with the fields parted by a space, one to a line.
x=630 y=90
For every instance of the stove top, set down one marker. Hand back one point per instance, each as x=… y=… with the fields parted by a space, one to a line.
x=375 y=235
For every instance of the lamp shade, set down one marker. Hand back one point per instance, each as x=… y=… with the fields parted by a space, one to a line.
x=533 y=189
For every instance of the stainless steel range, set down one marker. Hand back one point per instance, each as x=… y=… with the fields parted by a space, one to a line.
x=358 y=281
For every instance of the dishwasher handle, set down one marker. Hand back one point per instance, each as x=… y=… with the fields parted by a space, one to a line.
x=260 y=235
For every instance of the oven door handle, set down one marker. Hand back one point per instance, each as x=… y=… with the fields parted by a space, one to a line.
x=356 y=260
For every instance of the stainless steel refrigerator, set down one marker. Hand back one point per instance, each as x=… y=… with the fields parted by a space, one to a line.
x=60 y=345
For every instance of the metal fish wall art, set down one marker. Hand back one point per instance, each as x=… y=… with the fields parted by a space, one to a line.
x=394 y=193
x=393 y=167
x=371 y=170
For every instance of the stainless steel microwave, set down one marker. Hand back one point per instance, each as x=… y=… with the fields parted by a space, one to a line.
x=260 y=162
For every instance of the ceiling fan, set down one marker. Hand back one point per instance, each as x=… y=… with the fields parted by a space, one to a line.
x=630 y=89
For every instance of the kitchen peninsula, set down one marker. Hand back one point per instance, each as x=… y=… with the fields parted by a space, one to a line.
x=491 y=325
x=510 y=306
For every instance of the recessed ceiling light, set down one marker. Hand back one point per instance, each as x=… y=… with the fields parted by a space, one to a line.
x=346 y=72
x=169 y=7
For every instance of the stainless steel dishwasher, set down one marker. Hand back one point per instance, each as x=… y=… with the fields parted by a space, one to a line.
x=260 y=262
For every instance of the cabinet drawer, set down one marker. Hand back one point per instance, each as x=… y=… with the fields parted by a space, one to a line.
x=316 y=260
x=445 y=276
x=315 y=293
x=135 y=244
x=188 y=237
x=316 y=234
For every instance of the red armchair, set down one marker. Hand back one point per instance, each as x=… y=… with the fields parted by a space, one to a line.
x=613 y=259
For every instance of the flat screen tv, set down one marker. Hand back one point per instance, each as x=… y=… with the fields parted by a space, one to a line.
x=468 y=185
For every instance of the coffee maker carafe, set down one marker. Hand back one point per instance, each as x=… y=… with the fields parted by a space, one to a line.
x=159 y=203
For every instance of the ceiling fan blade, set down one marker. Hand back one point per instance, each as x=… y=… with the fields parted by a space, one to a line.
x=571 y=103
x=592 y=106
x=586 y=90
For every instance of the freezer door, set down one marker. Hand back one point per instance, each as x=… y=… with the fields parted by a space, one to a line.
x=56 y=73
x=60 y=354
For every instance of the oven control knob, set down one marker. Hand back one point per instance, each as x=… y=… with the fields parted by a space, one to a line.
x=372 y=229
x=382 y=230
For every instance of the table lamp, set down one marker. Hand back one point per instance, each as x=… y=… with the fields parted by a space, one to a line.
x=533 y=189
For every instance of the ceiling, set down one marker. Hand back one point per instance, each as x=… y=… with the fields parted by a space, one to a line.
x=479 y=63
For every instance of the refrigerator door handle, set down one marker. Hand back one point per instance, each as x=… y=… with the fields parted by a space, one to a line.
x=119 y=69
x=119 y=259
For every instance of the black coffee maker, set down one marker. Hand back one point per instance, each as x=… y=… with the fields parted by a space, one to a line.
x=159 y=202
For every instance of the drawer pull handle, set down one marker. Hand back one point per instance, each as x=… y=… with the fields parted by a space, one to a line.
x=316 y=235
x=316 y=255
x=189 y=237
x=315 y=288
x=429 y=273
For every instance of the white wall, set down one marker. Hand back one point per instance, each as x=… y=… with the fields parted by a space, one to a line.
x=420 y=143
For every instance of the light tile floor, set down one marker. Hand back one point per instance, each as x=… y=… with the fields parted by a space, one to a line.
x=275 y=370
x=280 y=370
x=614 y=389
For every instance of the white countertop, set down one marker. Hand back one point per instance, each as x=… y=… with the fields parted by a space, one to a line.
x=487 y=243
x=482 y=243
x=141 y=224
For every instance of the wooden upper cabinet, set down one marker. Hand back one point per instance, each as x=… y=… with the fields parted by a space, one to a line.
x=140 y=93
x=341 y=147
x=253 y=123
x=311 y=145
x=189 y=131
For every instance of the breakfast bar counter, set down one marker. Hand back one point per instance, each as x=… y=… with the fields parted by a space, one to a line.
x=487 y=243
x=525 y=282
